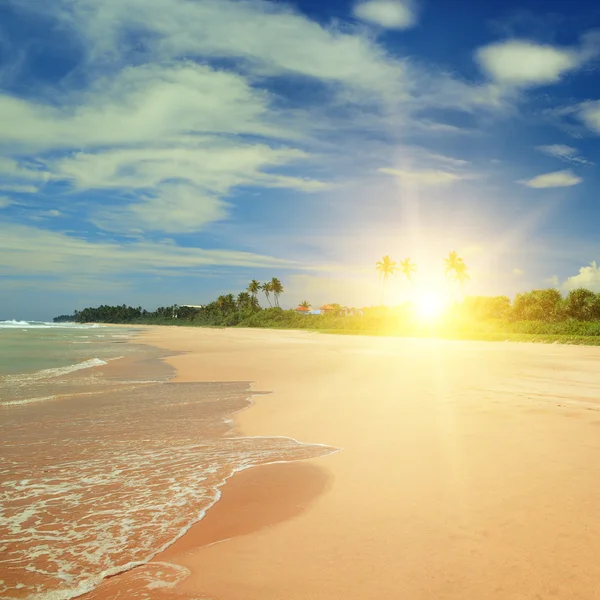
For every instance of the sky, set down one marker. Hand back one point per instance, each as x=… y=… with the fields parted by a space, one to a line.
x=170 y=151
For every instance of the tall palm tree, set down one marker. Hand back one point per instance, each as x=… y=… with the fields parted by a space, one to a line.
x=461 y=275
x=266 y=288
x=277 y=289
x=452 y=263
x=253 y=288
x=456 y=269
x=305 y=304
x=407 y=268
x=385 y=267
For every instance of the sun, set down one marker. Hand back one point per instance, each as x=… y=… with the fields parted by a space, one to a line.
x=430 y=306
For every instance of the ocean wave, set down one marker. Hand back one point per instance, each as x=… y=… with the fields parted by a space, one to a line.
x=14 y=324
x=56 y=372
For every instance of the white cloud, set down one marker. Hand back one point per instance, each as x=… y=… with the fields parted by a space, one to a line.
x=140 y=105
x=563 y=152
x=588 y=277
x=424 y=176
x=589 y=113
x=271 y=38
x=58 y=255
x=213 y=163
x=266 y=39
x=206 y=170
x=524 y=63
x=517 y=271
x=171 y=208
x=173 y=135
x=5 y=201
x=390 y=14
x=553 y=180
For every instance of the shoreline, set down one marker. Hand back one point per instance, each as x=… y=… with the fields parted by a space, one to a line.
x=453 y=476
x=565 y=339
x=306 y=479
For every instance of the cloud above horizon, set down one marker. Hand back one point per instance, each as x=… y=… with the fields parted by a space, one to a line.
x=556 y=179
x=588 y=277
x=389 y=14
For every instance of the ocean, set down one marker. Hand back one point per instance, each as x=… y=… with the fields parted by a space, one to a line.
x=105 y=461
x=33 y=353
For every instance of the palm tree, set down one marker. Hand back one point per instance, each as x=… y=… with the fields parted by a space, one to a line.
x=305 y=304
x=385 y=267
x=266 y=288
x=277 y=289
x=253 y=288
x=407 y=268
x=243 y=300
x=456 y=270
x=461 y=275
x=452 y=263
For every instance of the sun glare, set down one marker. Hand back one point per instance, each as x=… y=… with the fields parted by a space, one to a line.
x=430 y=306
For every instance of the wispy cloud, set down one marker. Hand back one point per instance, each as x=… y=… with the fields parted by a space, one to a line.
x=424 y=177
x=55 y=253
x=175 y=137
x=565 y=153
x=556 y=179
x=139 y=105
x=182 y=187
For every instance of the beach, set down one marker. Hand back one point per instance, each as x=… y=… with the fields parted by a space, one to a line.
x=279 y=464
x=465 y=470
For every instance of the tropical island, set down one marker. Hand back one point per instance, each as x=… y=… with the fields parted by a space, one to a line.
x=541 y=315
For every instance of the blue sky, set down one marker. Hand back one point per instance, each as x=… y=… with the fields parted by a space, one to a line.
x=170 y=151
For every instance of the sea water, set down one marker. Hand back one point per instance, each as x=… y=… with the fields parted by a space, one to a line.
x=104 y=461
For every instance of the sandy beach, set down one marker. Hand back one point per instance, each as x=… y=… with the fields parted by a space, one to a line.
x=466 y=470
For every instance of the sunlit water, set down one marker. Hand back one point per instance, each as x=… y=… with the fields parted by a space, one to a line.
x=111 y=463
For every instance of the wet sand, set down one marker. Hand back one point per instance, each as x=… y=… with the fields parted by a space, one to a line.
x=467 y=470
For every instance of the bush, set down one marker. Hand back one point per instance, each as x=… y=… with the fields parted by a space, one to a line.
x=538 y=305
x=583 y=305
x=486 y=307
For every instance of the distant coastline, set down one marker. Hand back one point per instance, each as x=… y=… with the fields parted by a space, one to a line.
x=473 y=319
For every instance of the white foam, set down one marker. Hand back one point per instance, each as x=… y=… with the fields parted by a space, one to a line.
x=56 y=372
x=27 y=401
x=14 y=324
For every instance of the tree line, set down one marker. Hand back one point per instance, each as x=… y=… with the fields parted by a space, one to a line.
x=543 y=306
x=226 y=310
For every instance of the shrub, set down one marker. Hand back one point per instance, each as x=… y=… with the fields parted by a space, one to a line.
x=583 y=305
x=538 y=305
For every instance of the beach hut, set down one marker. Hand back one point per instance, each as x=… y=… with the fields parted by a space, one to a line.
x=303 y=310
x=327 y=308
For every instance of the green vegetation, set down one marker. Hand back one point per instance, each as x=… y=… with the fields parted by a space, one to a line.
x=536 y=316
